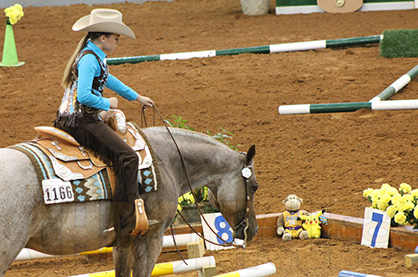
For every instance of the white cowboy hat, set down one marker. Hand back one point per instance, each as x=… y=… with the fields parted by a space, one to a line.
x=103 y=20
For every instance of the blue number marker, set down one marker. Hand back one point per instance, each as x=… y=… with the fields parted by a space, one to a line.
x=223 y=230
x=379 y=219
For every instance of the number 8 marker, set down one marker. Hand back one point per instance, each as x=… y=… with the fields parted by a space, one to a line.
x=223 y=230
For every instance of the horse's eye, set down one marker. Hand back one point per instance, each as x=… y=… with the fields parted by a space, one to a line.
x=254 y=188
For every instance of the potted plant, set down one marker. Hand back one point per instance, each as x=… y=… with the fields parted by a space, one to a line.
x=401 y=206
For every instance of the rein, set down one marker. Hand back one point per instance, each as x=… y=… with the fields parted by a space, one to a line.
x=245 y=172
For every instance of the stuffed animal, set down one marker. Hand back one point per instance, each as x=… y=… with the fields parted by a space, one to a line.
x=311 y=224
x=289 y=223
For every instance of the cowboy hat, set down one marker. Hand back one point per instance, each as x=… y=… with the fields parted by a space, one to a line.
x=103 y=20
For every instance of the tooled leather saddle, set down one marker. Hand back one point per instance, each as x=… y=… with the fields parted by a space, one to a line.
x=70 y=161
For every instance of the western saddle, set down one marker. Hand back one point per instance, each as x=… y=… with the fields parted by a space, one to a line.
x=72 y=162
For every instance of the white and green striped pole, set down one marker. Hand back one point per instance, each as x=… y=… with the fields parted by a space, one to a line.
x=397 y=85
x=274 y=48
x=349 y=107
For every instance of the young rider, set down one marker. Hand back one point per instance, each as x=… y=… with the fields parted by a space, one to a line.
x=85 y=77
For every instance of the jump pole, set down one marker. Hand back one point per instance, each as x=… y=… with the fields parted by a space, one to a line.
x=181 y=240
x=349 y=107
x=345 y=273
x=165 y=268
x=273 y=48
x=255 y=271
x=397 y=85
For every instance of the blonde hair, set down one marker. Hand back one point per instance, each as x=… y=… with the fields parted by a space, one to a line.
x=67 y=79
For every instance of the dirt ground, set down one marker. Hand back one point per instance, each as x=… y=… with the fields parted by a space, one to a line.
x=327 y=159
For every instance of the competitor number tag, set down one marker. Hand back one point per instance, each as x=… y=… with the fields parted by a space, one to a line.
x=57 y=191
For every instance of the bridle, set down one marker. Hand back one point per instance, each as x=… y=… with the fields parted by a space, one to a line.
x=246 y=173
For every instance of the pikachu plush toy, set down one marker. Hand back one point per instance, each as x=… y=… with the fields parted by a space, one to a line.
x=311 y=224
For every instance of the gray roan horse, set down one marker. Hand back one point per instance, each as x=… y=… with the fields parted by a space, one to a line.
x=68 y=228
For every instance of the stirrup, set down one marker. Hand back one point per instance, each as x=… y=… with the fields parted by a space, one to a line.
x=141 y=225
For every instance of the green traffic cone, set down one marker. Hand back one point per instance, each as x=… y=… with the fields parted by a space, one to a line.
x=9 y=49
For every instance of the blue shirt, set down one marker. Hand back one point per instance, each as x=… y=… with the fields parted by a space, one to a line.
x=88 y=68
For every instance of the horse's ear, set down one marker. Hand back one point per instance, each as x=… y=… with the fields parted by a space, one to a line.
x=250 y=154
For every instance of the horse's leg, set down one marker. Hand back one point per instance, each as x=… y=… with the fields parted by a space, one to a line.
x=145 y=253
x=146 y=249
x=140 y=258
x=120 y=260
x=8 y=255
x=18 y=191
x=12 y=235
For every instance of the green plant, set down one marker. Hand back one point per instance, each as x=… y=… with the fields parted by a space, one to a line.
x=224 y=137
x=178 y=122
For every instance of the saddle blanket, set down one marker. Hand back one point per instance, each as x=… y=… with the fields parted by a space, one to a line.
x=95 y=187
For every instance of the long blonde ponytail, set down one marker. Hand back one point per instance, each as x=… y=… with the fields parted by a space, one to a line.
x=68 y=78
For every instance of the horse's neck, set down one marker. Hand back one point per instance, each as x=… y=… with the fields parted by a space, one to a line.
x=207 y=160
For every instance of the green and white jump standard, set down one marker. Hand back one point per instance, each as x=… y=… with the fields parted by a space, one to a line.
x=311 y=6
x=349 y=107
x=273 y=48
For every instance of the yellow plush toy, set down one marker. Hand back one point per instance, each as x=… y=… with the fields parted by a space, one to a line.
x=311 y=224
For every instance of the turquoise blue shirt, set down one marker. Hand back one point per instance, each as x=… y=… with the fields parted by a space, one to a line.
x=88 y=68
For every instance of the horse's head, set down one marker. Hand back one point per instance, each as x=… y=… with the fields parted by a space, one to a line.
x=234 y=197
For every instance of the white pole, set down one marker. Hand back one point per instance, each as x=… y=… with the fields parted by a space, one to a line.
x=192 y=264
x=298 y=46
x=255 y=271
x=395 y=105
x=29 y=254
x=181 y=240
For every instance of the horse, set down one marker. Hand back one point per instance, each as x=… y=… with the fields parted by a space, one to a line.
x=74 y=227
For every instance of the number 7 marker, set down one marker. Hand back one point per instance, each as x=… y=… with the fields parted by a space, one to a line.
x=376 y=228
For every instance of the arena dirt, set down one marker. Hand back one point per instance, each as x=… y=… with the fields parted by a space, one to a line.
x=327 y=159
